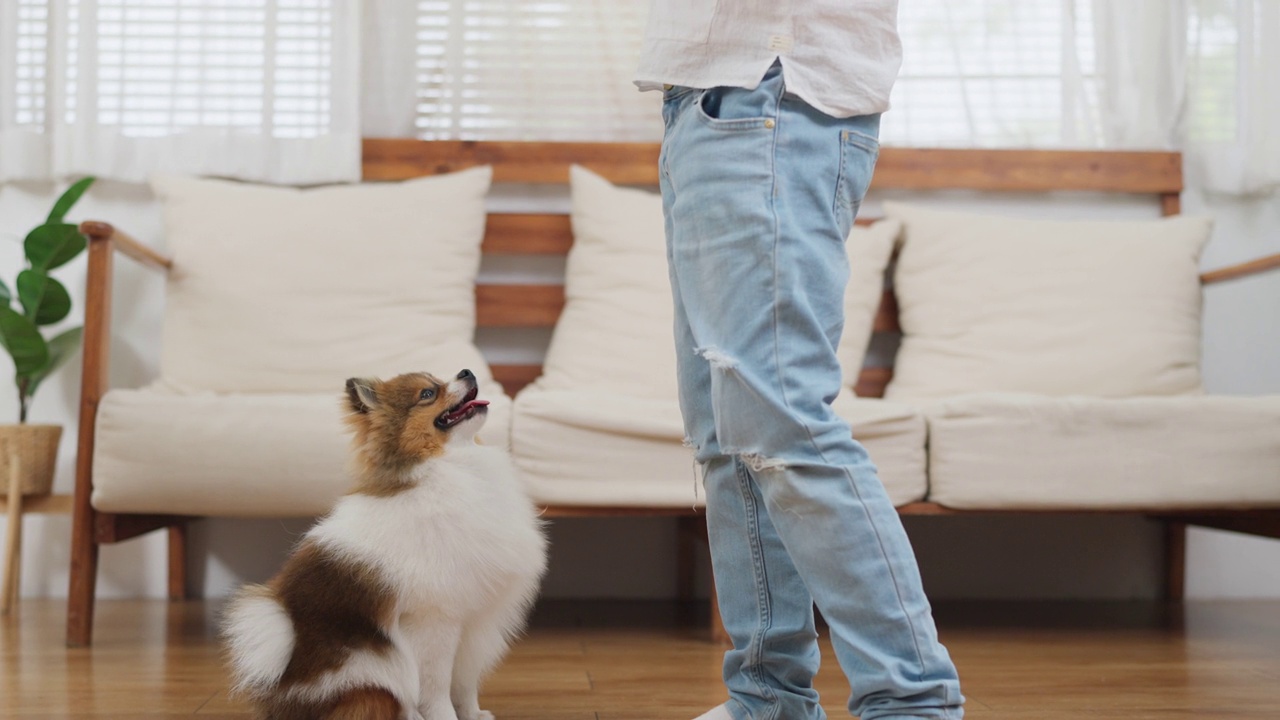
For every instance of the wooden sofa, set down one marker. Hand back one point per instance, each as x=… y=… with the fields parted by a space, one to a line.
x=538 y=306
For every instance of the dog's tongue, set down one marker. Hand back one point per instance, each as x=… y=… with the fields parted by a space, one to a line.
x=473 y=403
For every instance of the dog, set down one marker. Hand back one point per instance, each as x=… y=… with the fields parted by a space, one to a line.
x=399 y=602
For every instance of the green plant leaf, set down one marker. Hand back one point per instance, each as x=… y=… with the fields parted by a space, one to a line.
x=23 y=341
x=53 y=244
x=5 y=295
x=62 y=348
x=69 y=198
x=44 y=299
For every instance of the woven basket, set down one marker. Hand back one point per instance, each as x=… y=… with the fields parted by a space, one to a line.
x=36 y=447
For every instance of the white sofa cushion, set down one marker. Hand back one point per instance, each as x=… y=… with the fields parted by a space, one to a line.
x=587 y=448
x=869 y=250
x=615 y=333
x=286 y=290
x=231 y=455
x=1004 y=451
x=1000 y=304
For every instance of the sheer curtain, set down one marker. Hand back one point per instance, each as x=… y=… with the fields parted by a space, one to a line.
x=282 y=90
x=1233 y=85
x=1199 y=76
x=995 y=73
x=262 y=90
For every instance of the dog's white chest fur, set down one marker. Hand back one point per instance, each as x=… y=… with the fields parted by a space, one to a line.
x=458 y=539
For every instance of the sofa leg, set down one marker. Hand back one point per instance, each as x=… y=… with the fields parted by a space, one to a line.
x=687 y=540
x=719 y=635
x=178 y=562
x=1175 y=560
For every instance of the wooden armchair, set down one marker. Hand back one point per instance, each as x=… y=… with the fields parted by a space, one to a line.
x=90 y=528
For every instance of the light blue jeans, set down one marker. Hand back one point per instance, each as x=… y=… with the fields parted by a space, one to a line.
x=760 y=191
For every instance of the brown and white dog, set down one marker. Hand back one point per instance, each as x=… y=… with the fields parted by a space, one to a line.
x=396 y=604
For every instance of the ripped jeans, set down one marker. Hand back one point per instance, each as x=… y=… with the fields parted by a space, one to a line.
x=760 y=191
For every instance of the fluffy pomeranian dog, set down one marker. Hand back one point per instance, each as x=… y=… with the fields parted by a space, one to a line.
x=396 y=604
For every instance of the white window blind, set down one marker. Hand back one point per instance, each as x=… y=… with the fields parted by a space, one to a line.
x=253 y=89
x=521 y=70
x=24 y=64
x=156 y=67
x=30 y=27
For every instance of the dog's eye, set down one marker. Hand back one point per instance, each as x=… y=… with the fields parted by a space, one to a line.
x=427 y=394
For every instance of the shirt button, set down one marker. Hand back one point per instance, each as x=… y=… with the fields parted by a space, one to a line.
x=769 y=123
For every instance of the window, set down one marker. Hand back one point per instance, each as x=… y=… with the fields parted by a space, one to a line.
x=29 y=23
x=1008 y=73
x=254 y=89
x=532 y=70
x=157 y=67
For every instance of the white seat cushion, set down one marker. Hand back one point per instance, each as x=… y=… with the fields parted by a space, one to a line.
x=230 y=455
x=1001 y=304
x=586 y=448
x=1026 y=452
x=295 y=290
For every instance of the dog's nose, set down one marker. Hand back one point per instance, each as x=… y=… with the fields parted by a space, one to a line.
x=466 y=375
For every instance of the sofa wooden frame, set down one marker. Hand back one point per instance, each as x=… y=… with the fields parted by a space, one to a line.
x=539 y=306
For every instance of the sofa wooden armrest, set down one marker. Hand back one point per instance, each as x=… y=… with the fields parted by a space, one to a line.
x=1245 y=269
x=90 y=528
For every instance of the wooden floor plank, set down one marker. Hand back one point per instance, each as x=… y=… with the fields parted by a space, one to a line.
x=620 y=661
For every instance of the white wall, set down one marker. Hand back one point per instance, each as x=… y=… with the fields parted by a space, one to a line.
x=1007 y=557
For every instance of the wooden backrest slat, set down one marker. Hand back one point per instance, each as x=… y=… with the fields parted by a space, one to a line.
x=509 y=234
x=539 y=306
x=897 y=168
x=513 y=162
x=518 y=306
x=532 y=306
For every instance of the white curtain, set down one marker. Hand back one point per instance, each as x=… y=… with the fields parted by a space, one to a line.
x=1198 y=76
x=282 y=90
x=1233 y=84
x=264 y=91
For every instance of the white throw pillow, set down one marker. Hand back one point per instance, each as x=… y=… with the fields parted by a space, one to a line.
x=869 y=249
x=615 y=334
x=1000 y=304
x=288 y=290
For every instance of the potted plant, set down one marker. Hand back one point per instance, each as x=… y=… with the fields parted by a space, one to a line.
x=41 y=301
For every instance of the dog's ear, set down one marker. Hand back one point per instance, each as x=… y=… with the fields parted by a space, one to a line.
x=361 y=395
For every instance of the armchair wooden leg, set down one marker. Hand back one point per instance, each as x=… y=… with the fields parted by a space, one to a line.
x=84 y=576
x=178 y=562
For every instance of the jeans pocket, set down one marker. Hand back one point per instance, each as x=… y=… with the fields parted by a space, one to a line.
x=858 y=155
x=731 y=108
x=681 y=20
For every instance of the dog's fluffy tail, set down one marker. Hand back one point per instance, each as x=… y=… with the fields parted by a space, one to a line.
x=259 y=638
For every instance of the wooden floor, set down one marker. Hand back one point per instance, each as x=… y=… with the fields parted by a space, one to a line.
x=646 y=662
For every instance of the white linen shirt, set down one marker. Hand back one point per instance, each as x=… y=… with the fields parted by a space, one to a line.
x=840 y=56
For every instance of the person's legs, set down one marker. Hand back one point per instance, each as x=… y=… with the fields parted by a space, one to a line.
x=760 y=194
x=775 y=651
